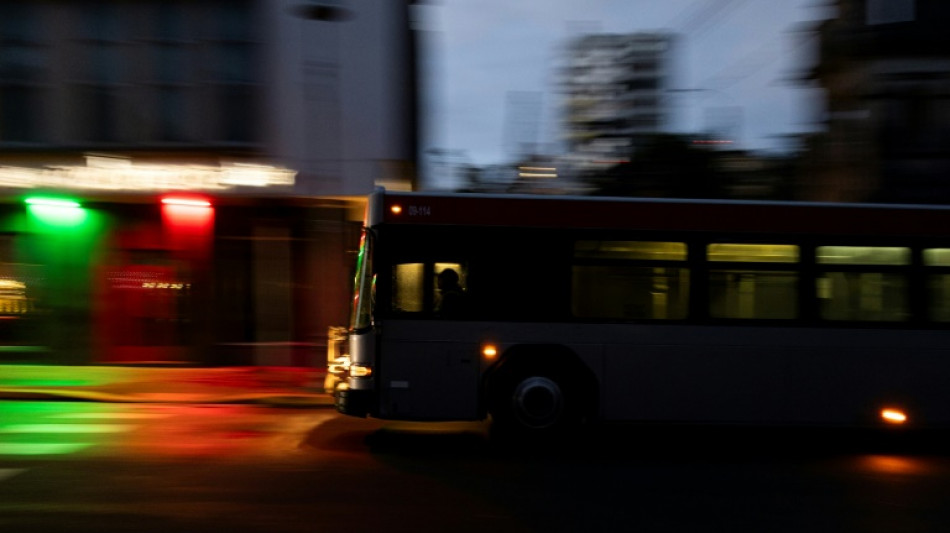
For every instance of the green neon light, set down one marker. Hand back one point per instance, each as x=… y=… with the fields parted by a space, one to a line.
x=55 y=216
x=53 y=202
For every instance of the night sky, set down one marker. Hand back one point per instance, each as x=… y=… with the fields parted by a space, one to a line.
x=731 y=54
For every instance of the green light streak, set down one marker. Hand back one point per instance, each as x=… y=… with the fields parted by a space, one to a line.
x=52 y=202
x=65 y=428
x=41 y=448
x=58 y=216
x=9 y=409
x=37 y=383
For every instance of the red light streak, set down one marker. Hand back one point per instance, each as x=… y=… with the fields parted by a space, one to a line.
x=188 y=202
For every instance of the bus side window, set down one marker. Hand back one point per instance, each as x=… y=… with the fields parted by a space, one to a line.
x=408 y=288
x=630 y=280
x=937 y=262
x=753 y=281
x=863 y=283
x=451 y=290
x=410 y=294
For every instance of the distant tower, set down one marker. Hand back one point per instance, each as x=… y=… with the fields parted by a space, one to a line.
x=615 y=92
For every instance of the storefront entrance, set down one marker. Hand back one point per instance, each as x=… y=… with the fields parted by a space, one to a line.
x=146 y=310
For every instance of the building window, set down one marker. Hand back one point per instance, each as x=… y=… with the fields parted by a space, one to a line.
x=171 y=106
x=232 y=69
x=890 y=11
x=20 y=107
x=237 y=120
x=98 y=105
x=103 y=70
x=173 y=54
x=21 y=286
x=22 y=68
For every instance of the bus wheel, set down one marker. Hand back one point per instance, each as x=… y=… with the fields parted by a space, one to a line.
x=535 y=404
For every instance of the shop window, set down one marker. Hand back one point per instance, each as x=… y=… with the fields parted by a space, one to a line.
x=148 y=301
x=20 y=287
x=630 y=280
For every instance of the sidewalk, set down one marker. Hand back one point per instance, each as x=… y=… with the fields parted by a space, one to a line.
x=273 y=386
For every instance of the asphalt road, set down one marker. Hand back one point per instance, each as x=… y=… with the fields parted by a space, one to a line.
x=164 y=468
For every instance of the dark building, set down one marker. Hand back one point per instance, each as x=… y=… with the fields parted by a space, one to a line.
x=181 y=182
x=885 y=69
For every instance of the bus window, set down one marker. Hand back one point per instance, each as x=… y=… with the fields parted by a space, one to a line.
x=862 y=255
x=408 y=288
x=630 y=280
x=753 y=291
x=859 y=294
x=631 y=250
x=753 y=253
x=450 y=286
x=939 y=283
x=939 y=257
x=409 y=294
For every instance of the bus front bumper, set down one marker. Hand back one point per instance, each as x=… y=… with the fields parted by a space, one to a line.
x=352 y=402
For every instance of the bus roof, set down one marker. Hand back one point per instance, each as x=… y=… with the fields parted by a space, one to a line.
x=733 y=216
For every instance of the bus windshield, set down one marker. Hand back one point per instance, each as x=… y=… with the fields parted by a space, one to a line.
x=363 y=286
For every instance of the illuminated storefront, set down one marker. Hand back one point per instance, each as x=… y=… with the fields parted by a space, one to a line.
x=108 y=269
x=226 y=275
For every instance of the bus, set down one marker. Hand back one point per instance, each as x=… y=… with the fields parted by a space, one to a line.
x=578 y=309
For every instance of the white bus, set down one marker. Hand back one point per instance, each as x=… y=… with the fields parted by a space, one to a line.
x=581 y=308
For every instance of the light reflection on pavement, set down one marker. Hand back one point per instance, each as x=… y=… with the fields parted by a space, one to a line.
x=151 y=430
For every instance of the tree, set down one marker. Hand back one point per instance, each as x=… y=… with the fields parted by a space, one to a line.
x=663 y=165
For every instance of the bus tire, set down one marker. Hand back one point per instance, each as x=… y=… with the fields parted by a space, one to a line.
x=537 y=403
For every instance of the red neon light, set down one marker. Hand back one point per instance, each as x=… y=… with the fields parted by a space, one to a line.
x=189 y=202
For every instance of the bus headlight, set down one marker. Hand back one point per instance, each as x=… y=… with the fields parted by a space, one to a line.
x=360 y=371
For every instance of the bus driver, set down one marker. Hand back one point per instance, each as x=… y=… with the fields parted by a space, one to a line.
x=452 y=296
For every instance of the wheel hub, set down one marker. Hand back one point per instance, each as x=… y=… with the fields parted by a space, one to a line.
x=538 y=402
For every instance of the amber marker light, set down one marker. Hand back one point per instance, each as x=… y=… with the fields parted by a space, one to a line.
x=489 y=351
x=396 y=209
x=893 y=416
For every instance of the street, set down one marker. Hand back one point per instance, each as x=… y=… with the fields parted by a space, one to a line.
x=150 y=467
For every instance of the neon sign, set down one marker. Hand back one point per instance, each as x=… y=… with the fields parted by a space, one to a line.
x=119 y=174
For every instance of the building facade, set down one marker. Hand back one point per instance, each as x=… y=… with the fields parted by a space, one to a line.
x=180 y=181
x=615 y=88
x=885 y=71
